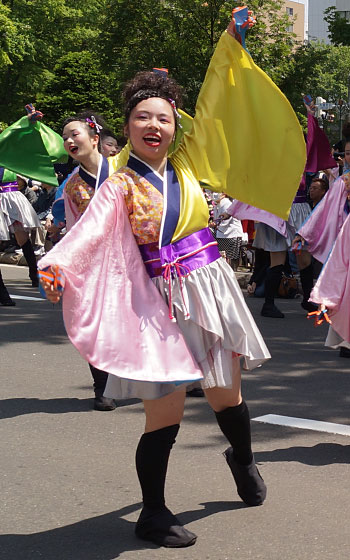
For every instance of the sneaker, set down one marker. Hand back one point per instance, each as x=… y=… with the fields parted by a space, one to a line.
x=270 y=310
x=39 y=251
x=18 y=251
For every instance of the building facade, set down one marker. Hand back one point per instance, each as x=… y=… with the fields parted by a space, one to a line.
x=296 y=9
x=318 y=28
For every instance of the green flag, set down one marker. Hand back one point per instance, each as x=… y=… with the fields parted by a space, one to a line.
x=30 y=149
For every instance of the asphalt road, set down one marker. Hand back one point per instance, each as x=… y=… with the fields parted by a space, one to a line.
x=68 y=484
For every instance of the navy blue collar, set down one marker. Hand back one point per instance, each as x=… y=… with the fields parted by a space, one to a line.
x=90 y=180
x=145 y=171
x=173 y=194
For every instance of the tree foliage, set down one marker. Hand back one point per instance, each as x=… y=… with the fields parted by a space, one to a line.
x=67 y=55
x=338 y=27
x=181 y=35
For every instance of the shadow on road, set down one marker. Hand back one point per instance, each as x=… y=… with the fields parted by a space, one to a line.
x=317 y=455
x=104 y=537
x=10 y=408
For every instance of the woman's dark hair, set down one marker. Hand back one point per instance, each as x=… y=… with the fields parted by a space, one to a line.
x=105 y=132
x=346 y=131
x=149 y=84
x=86 y=118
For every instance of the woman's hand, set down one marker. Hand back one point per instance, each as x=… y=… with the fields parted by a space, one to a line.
x=251 y=288
x=52 y=281
x=298 y=244
x=52 y=294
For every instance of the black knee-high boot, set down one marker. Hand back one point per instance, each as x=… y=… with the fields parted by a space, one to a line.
x=156 y=523
x=272 y=282
x=234 y=423
x=4 y=295
x=307 y=283
x=28 y=252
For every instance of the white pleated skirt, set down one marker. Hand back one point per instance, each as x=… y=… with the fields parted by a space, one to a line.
x=269 y=239
x=4 y=230
x=220 y=331
x=334 y=340
x=17 y=211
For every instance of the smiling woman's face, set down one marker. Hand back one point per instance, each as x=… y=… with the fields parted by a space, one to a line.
x=151 y=129
x=77 y=141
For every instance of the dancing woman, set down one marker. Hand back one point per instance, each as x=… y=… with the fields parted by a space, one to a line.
x=19 y=218
x=149 y=219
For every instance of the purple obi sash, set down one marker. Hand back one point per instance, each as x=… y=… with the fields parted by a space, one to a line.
x=179 y=259
x=183 y=256
x=8 y=187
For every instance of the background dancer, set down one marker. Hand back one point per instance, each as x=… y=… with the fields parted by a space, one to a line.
x=20 y=219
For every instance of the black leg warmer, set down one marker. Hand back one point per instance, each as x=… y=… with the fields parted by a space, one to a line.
x=272 y=282
x=4 y=295
x=152 y=456
x=28 y=252
x=156 y=523
x=234 y=422
x=100 y=379
x=307 y=283
x=235 y=425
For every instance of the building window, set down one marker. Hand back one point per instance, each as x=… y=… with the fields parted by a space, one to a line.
x=290 y=11
x=345 y=15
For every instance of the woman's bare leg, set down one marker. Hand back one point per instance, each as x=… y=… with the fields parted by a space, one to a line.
x=165 y=411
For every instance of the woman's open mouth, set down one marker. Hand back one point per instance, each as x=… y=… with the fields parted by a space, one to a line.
x=152 y=140
x=73 y=149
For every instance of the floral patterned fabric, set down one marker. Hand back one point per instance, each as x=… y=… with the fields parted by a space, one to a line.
x=79 y=192
x=144 y=204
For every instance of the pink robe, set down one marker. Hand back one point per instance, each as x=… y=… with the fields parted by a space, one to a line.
x=243 y=211
x=113 y=313
x=321 y=228
x=333 y=285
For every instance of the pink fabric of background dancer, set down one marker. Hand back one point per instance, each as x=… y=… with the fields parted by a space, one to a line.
x=333 y=286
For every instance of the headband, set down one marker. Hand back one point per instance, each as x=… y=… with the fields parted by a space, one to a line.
x=143 y=94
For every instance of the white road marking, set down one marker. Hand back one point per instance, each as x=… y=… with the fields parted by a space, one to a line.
x=27 y=298
x=304 y=424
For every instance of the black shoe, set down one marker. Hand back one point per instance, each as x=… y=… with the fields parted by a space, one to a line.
x=250 y=485
x=309 y=306
x=104 y=404
x=196 y=392
x=6 y=300
x=164 y=529
x=344 y=352
x=270 y=310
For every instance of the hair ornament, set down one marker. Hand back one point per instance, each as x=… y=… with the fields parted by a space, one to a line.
x=177 y=114
x=93 y=124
